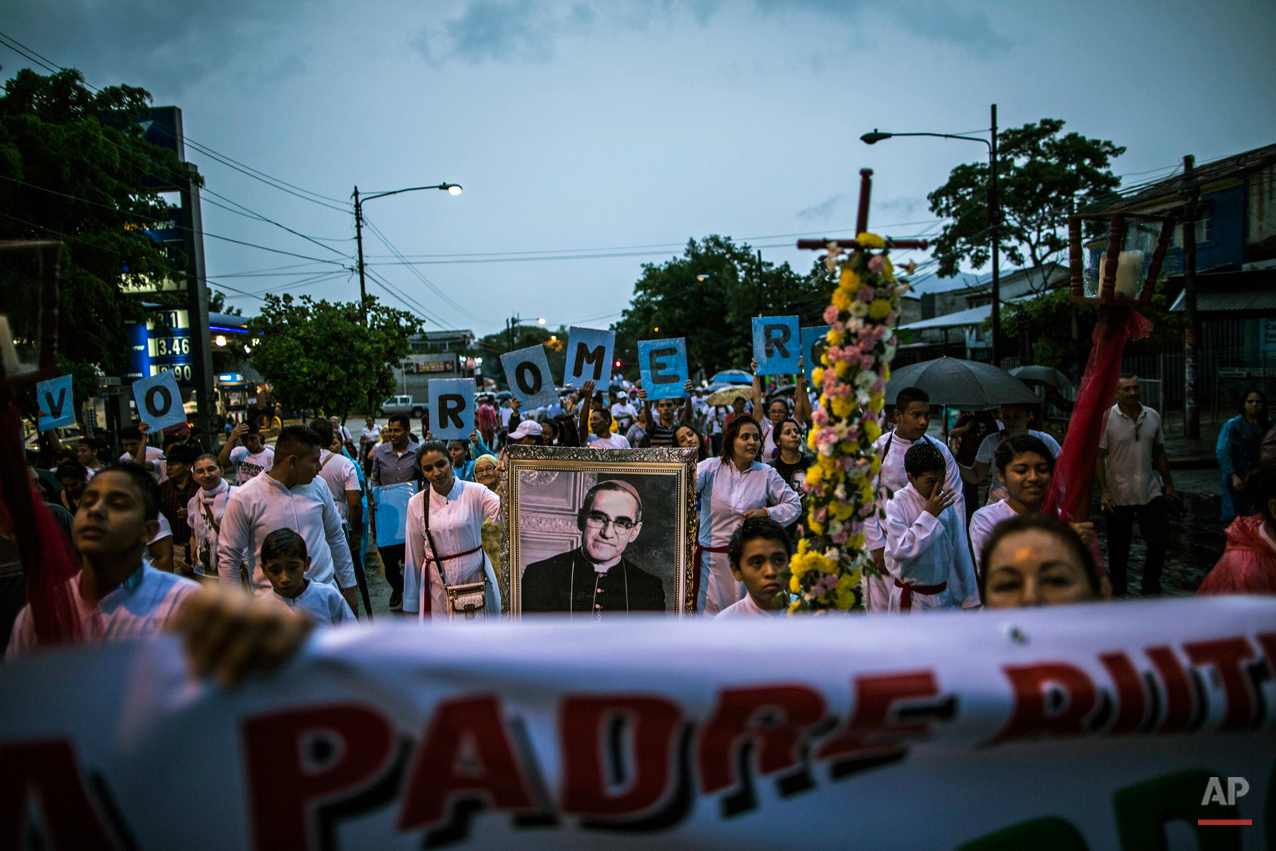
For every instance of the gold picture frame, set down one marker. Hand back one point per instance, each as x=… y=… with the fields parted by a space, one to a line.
x=541 y=497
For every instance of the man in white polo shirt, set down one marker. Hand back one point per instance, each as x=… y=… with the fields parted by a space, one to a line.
x=1132 y=445
x=287 y=496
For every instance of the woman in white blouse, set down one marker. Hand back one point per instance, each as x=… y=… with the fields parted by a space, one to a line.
x=731 y=488
x=457 y=511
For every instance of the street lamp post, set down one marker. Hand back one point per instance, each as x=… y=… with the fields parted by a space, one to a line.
x=994 y=216
x=450 y=188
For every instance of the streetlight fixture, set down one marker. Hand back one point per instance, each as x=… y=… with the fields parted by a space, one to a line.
x=994 y=215
x=450 y=188
x=540 y=321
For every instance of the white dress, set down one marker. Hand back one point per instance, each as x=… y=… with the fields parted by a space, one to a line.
x=725 y=495
x=891 y=478
x=928 y=551
x=983 y=521
x=456 y=526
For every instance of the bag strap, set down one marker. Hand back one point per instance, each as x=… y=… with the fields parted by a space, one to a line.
x=429 y=539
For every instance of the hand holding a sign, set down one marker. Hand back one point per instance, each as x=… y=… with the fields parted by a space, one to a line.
x=231 y=635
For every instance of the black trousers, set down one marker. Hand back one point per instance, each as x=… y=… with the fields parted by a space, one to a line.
x=392 y=557
x=1154 y=524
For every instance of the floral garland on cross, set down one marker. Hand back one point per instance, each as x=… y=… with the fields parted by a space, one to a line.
x=825 y=572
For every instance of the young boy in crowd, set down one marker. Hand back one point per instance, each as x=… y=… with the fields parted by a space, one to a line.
x=115 y=595
x=284 y=561
x=926 y=551
x=759 y=554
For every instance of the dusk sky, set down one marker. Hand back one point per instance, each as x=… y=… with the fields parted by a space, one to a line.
x=623 y=129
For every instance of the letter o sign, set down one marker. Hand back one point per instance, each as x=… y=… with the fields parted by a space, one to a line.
x=153 y=408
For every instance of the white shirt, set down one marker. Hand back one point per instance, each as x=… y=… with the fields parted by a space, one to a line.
x=156 y=456
x=264 y=505
x=746 y=608
x=249 y=466
x=725 y=494
x=323 y=603
x=623 y=411
x=922 y=549
x=892 y=478
x=506 y=413
x=123 y=613
x=987 y=454
x=204 y=533
x=339 y=473
x=614 y=441
x=369 y=435
x=983 y=521
x=1131 y=478
x=456 y=526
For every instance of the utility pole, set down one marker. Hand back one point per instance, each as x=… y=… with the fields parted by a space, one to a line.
x=761 y=306
x=358 y=238
x=1192 y=333
x=994 y=218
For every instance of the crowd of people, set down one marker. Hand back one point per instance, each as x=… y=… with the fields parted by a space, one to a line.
x=959 y=523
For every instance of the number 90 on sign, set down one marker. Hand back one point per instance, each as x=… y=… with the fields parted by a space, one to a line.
x=181 y=371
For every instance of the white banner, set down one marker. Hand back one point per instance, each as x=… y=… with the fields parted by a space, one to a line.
x=1083 y=727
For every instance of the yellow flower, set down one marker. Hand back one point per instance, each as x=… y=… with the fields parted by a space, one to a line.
x=816 y=528
x=875 y=465
x=815 y=473
x=873 y=430
x=886 y=372
x=841 y=299
x=794 y=585
x=801 y=548
x=841 y=406
x=879 y=308
x=870 y=240
x=888 y=271
x=876 y=400
x=817 y=376
x=843 y=369
x=850 y=282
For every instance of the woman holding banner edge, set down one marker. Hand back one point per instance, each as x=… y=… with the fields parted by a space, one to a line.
x=731 y=488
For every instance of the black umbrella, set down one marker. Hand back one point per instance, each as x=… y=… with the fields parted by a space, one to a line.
x=961 y=384
x=1046 y=375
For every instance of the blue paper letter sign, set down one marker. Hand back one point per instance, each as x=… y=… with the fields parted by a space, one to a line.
x=663 y=367
x=814 y=342
x=57 y=408
x=527 y=371
x=452 y=408
x=776 y=344
x=588 y=357
x=159 y=402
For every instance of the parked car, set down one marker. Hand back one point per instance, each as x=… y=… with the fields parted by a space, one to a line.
x=68 y=435
x=401 y=405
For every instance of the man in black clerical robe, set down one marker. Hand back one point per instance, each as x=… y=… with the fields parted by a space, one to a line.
x=596 y=578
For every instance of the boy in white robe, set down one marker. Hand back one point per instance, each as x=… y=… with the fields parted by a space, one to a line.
x=284 y=561
x=927 y=554
x=759 y=555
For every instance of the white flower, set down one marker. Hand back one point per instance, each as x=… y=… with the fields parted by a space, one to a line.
x=863 y=397
x=865 y=379
x=858 y=309
x=853 y=325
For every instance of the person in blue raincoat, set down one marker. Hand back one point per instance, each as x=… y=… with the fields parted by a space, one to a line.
x=1238 y=450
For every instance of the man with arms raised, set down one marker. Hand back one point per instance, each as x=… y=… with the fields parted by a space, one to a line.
x=596 y=578
x=251 y=459
x=288 y=496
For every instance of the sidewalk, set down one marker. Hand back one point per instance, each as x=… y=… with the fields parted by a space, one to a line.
x=1185 y=453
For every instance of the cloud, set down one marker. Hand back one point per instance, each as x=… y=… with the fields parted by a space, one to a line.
x=520 y=31
x=822 y=211
x=148 y=40
x=940 y=21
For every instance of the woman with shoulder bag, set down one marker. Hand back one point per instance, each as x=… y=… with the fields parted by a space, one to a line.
x=446 y=573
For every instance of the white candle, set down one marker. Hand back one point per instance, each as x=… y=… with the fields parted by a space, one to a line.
x=1129 y=274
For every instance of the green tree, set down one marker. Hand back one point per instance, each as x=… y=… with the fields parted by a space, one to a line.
x=74 y=167
x=318 y=355
x=1042 y=176
x=710 y=295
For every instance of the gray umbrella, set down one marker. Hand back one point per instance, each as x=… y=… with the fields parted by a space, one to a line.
x=1046 y=375
x=961 y=384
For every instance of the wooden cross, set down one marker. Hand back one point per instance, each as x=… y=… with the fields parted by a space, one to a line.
x=861 y=225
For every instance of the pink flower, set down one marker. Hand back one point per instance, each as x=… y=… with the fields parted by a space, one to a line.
x=866 y=294
x=838 y=328
x=876 y=265
x=820 y=417
x=830 y=314
x=820 y=514
x=879 y=386
x=866 y=510
x=839 y=538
